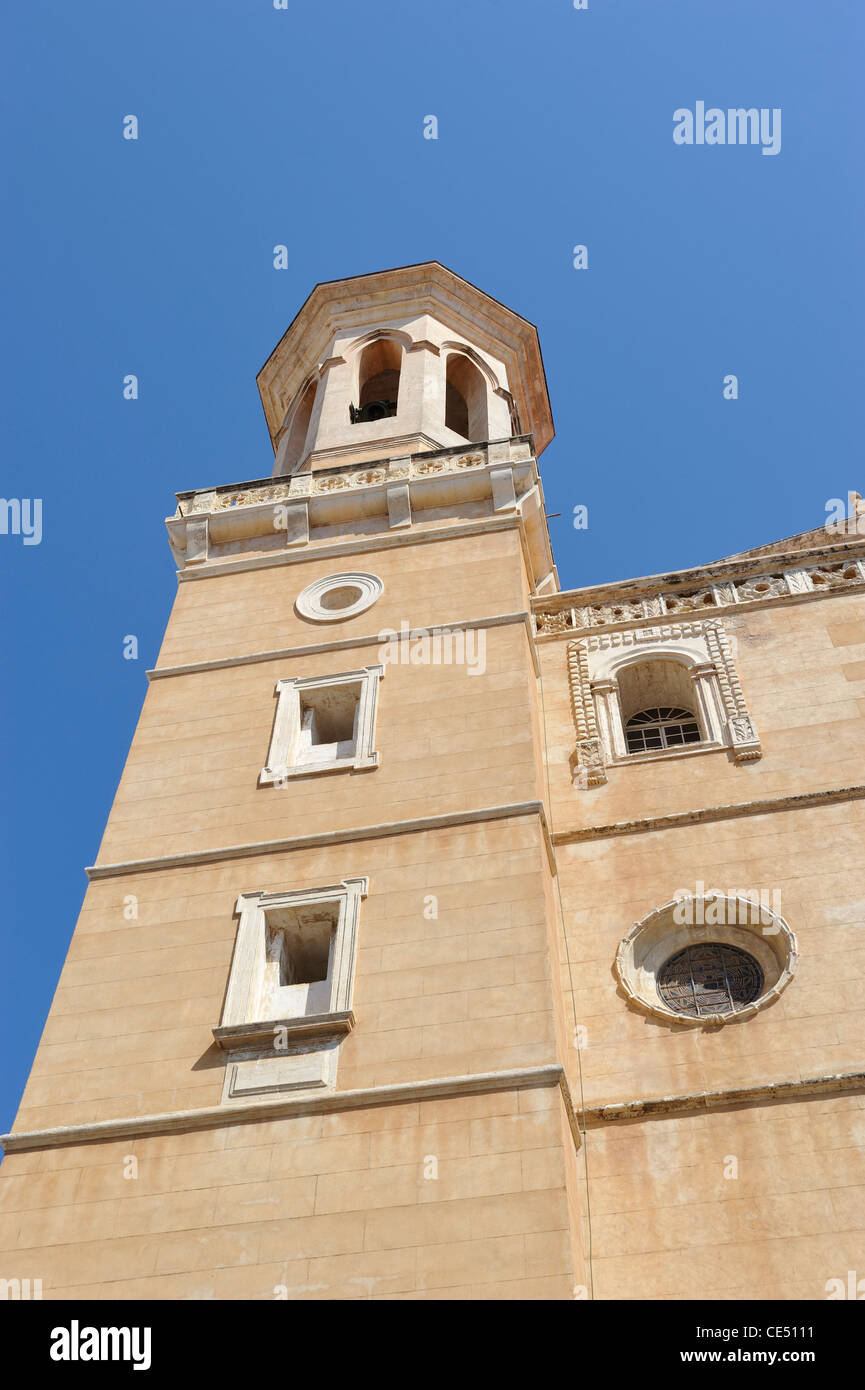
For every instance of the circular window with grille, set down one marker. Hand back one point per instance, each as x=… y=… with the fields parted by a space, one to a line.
x=709 y=977
x=338 y=597
x=707 y=959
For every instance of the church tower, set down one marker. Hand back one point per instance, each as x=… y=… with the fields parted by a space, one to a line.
x=305 y=1042
x=453 y=936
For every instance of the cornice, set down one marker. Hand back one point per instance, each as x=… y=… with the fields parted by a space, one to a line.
x=732 y=566
x=182 y=1121
x=220 y=853
x=434 y=1088
x=766 y=806
x=274 y=521
x=726 y=588
x=347 y=643
x=796 y=1088
x=364 y=544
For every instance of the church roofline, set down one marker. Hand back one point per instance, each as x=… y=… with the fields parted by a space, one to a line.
x=698 y=595
x=748 y=562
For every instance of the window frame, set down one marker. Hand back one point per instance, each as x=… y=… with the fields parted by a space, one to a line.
x=720 y=706
x=659 y=935
x=678 y=718
x=281 y=765
x=287 y=1051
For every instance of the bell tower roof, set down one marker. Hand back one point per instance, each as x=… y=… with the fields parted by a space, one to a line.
x=408 y=296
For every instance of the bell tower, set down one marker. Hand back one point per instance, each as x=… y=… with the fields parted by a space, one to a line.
x=402 y=362
x=306 y=1041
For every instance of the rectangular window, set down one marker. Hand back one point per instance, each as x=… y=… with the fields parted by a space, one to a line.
x=289 y=996
x=323 y=724
x=328 y=723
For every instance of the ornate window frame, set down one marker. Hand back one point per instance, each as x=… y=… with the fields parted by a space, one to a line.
x=283 y=758
x=702 y=647
x=287 y=1038
x=660 y=934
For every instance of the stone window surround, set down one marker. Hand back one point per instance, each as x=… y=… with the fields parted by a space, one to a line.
x=594 y=664
x=657 y=936
x=238 y=1023
x=309 y=601
x=287 y=725
x=298 y=1052
x=353 y=353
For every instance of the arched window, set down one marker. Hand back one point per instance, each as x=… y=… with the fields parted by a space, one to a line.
x=299 y=427
x=465 y=398
x=378 y=381
x=656 y=698
x=650 y=693
x=664 y=726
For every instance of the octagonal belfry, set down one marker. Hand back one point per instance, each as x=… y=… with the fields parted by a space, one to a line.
x=400 y=362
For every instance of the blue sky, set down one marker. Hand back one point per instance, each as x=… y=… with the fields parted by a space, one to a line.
x=304 y=127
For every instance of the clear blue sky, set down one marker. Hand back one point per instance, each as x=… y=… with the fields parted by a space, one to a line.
x=304 y=127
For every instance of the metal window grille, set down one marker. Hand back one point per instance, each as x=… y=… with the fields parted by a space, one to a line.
x=709 y=978
x=666 y=726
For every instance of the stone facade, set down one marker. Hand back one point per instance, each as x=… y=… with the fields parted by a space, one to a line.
x=378 y=1024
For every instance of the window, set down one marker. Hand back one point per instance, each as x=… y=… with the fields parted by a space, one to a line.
x=708 y=958
x=709 y=978
x=465 y=398
x=323 y=724
x=378 y=382
x=645 y=693
x=661 y=727
x=289 y=996
x=299 y=428
x=339 y=596
x=328 y=723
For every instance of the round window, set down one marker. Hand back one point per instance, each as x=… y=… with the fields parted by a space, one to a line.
x=709 y=977
x=337 y=600
x=707 y=959
x=338 y=596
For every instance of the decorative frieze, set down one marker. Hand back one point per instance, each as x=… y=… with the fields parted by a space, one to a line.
x=213 y=529
x=327 y=481
x=687 y=603
x=756 y=587
x=634 y=636
x=840 y=575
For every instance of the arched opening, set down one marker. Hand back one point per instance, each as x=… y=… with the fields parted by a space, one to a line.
x=657 y=703
x=378 y=381
x=299 y=427
x=465 y=398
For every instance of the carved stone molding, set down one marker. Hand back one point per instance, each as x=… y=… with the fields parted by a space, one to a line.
x=744 y=738
x=587 y=760
x=825 y=571
x=594 y=662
